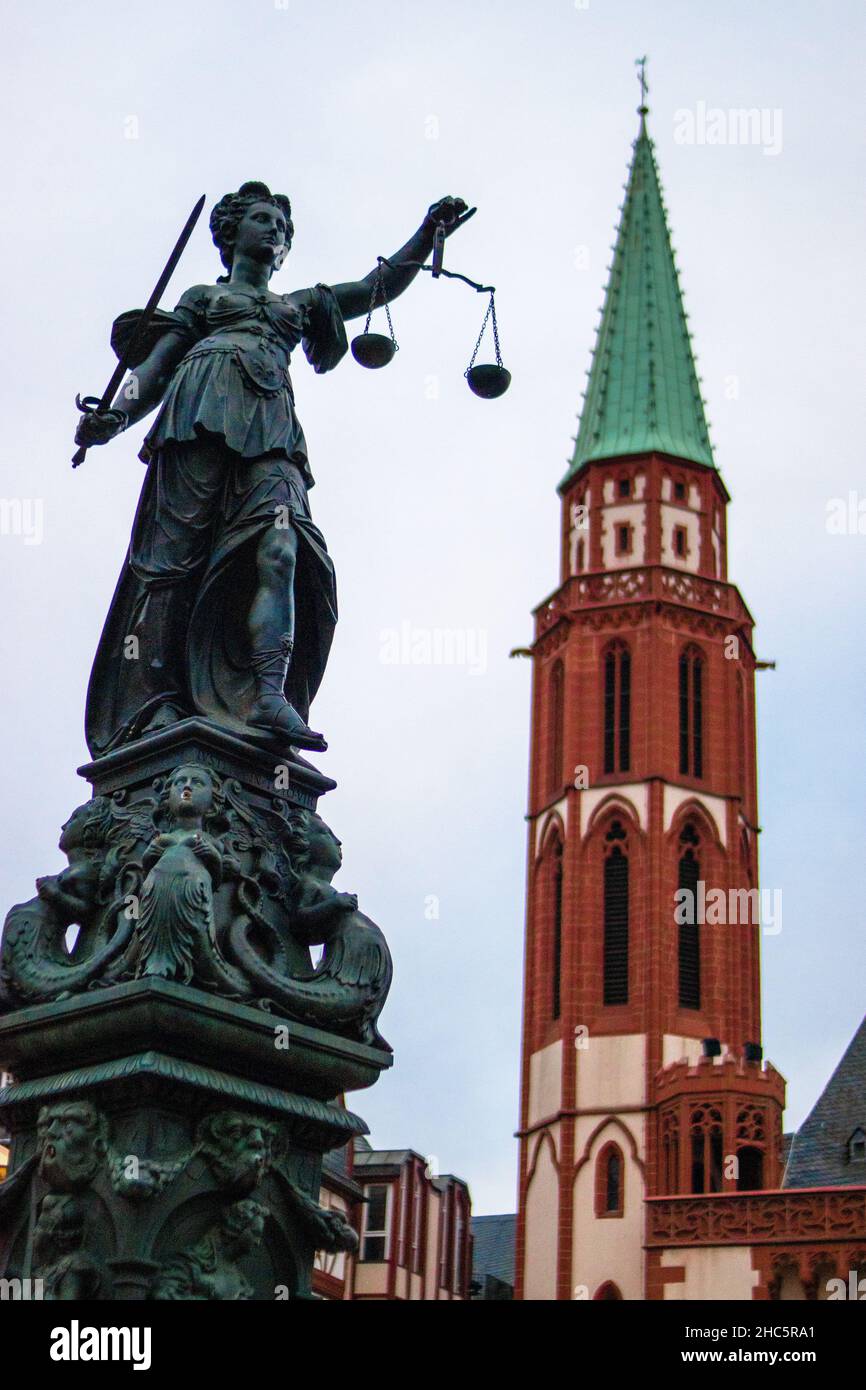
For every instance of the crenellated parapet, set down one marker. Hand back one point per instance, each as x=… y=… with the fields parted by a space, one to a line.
x=718 y=1125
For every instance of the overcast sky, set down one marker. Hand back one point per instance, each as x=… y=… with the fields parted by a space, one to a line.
x=440 y=509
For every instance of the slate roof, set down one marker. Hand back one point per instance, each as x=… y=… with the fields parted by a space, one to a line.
x=819 y=1155
x=643 y=391
x=493 y=1248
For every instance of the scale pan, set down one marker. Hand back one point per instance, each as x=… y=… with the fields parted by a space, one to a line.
x=488 y=380
x=373 y=349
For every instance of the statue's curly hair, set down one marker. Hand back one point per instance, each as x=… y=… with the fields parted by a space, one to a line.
x=88 y=825
x=230 y=209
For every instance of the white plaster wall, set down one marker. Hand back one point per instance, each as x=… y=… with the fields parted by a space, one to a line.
x=718 y=1273
x=640 y=486
x=431 y=1265
x=635 y=514
x=611 y=1071
x=677 y=1049
x=636 y=794
x=715 y=806
x=545 y=1082
x=609 y=1247
x=542 y=1227
x=678 y=516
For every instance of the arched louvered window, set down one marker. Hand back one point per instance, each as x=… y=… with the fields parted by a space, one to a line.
x=692 y=713
x=556 y=962
x=615 y=916
x=689 y=945
x=557 y=726
x=617 y=708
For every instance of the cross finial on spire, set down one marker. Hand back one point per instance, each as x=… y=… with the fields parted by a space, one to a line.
x=643 y=109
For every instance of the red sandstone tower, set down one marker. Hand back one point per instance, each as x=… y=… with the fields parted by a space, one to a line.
x=641 y=1070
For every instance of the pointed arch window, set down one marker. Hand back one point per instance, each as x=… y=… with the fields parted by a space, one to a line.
x=617 y=708
x=557 y=726
x=607 y=1293
x=670 y=1130
x=609 y=1181
x=692 y=682
x=689 y=944
x=707 y=1156
x=751 y=1147
x=615 y=979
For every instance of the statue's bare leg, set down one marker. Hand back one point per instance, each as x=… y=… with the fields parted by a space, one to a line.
x=271 y=625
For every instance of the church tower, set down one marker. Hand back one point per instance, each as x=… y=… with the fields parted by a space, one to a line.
x=641 y=1069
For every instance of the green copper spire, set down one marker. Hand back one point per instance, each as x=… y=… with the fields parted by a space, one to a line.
x=643 y=389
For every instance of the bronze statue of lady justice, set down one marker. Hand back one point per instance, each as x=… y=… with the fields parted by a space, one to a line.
x=228 y=588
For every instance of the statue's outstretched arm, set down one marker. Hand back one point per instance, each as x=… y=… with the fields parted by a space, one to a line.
x=353 y=296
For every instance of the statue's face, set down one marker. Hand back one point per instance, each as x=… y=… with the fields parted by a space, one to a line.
x=325 y=849
x=72 y=833
x=261 y=234
x=190 y=792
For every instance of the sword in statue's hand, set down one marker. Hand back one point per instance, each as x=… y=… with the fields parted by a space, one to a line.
x=103 y=402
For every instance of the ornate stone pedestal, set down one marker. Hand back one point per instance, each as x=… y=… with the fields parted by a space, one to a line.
x=177 y=1072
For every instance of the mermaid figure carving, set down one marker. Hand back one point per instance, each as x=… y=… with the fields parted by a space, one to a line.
x=176 y=934
x=35 y=962
x=348 y=988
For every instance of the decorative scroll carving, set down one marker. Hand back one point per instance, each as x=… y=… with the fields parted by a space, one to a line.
x=748 y=1219
x=617 y=586
x=694 y=590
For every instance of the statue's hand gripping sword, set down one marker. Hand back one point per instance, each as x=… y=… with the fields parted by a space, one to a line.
x=89 y=403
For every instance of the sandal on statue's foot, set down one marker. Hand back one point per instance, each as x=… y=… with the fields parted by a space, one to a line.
x=273 y=715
